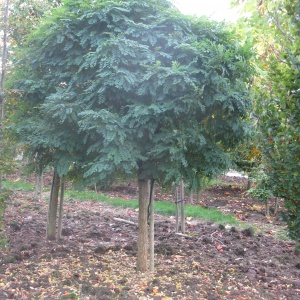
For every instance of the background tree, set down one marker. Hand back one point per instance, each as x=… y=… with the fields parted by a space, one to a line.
x=18 y=18
x=247 y=157
x=136 y=88
x=3 y=145
x=25 y=16
x=275 y=27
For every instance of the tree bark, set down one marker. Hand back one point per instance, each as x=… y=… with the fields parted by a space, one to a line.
x=249 y=184
x=151 y=230
x=52 y=210
x=276 y=206
x=39 y=187
x=142 y=265
x=60 y=212
x=267 y=206
x=198 y=196
x=191 y=198
x=182 y=206
x=176 y=208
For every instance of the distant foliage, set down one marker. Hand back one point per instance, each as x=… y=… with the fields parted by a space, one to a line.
x=275 y=29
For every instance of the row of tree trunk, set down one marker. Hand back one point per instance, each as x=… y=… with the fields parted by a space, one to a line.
x=146 y=213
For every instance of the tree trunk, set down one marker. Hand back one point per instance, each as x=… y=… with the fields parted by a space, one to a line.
x=199 y=196
x=52 y=210
x=38 y=195
x=151 y=231
x=143 y=226
x=176 y=208
x=182 y=206
x=249 y=184
x=3 y=70
x=60 y=212
x=267 y=206
x=276 y=206
x=41 y=187
x=191 y=198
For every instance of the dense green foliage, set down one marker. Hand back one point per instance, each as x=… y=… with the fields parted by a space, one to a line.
x=22 y=17
x=275 y=27
x=283 y=126
x=132 y=87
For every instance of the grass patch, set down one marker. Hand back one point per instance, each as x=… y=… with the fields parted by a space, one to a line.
x=19 y=185
x=207 y=214
x=210 y=214
x=160 y=207
x=83 y=196
x=164 y=208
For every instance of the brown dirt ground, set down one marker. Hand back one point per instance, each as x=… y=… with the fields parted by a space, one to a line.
x=96 y=258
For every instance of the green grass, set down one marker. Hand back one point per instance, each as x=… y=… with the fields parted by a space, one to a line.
x=210 y=214
x=83 y=196
x=213 y=215
x=164 y=208
x=160 y=207
x=19 y=185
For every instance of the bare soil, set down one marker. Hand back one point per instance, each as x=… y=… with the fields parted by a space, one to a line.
x=96 y=257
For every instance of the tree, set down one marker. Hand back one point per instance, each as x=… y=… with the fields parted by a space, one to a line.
x=135 y=88
x=2 y=79
x=275 y=25
x=283 y=127
x=247 y=157
x=25 y=16
x=19 y=17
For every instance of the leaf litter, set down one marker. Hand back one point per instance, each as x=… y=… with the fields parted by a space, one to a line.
x=96 y=257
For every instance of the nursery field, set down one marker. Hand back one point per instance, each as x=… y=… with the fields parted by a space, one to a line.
x=249 y=259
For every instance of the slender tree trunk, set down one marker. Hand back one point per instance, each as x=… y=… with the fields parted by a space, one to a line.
x=151 y=231
x=182 y=206
x=3 y=70
x=52 y=210
x=191 y=198
x=249 y=184
x=176 y=208
x=36 y=193
x=267 y=206
x=143 y=226
x=39 y=187
x=60 y=212
x=276 y=206
x=199 y=196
